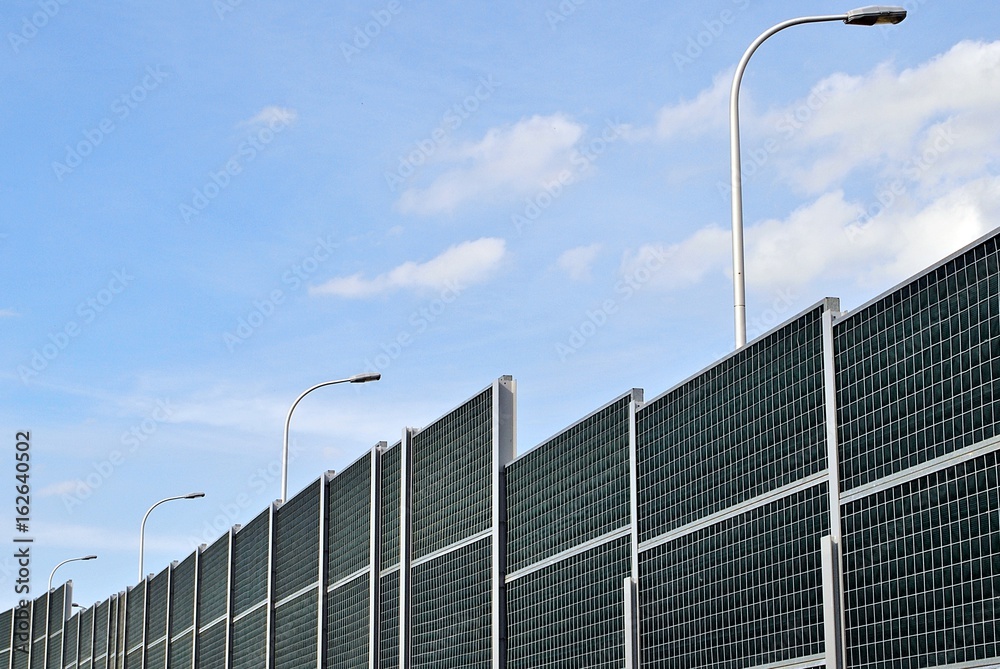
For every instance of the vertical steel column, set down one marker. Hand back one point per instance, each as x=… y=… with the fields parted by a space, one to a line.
x=324 y=551
x=271 y=536
x=230 y=580
x=833 y=585
x=194 y=613
x=170 y=592
x=504 y=450
x=631 y=584
x=405 y=548
x=375 y=553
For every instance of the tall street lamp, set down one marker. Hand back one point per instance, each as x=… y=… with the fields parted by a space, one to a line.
x=76 y=559
x=142 y=527
x=357 y=378
x=865 y=16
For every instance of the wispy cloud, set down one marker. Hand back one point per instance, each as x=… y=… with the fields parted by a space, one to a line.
x=463 y=265
x=8 y=313
x=508 y=161
x=577 y=262
x=272 y=115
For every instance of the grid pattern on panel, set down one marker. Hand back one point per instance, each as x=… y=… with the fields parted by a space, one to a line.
x=156 y=624
x=21 y=659
x=180 y=654
x=751 y=424
x=250 y=547
x=389 y=513
x=348 y=517
x=451 y=609
x=213 y=581
x=38 y=654
x=297 y=542
x=347 y=625
x=918 y=372
x=388 y=627
x=250 y=641
x=5 y=657
x=182 y=596
x=296 y=631
x=133 y=660
x=54 y=657
x=922 y=570
x=570 y=614
x=156 y=656
x=38 y=613
x=71 y=649
x=744 y=592
x=6 y=628
x=571 y=489
x=212 y=647
x=101 y=628
x=452 y=483
x=57 y=608
x=87 y=634
x=135 y=616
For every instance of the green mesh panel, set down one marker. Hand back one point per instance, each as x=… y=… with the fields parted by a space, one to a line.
x=133 y=660
x=250 y=640
x=87 y=633
x=571 y=489
x=349 y=519
x=136 y=616
x=156 y=624
x=347 y=625
x=388 y=654
x=749 y=425
x=71 y=649
x=182 y=596
x=213 y=581
x=297 y=542
x=180 y=651
x=389 y=502
x=571 y=612
x=6 y=629
x=918 y=371
x=250 y=548
x=212 y=647
x=452 y=482
x=38 y=653
x=743 y=592
x=452 y=609
x=101 y=623
x=156 y=655
x=39 y=610
x=22 y=622
x=296 y=629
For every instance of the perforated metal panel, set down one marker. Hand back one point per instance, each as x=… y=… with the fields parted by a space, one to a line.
x=250 y=641
x=389 y=621
x=71 y=649
x=135 y=616
x=212 y=647
x=297 y=542
x=181 y=656
x=182 y=596
x=87 y=634
x=156 y=655
x=389 y=496
x=213 y=579
x=156 y=624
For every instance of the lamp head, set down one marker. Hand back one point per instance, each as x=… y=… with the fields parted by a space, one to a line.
x=366 y=377
x=875 y=15
x=194 y=495
x=89 y=557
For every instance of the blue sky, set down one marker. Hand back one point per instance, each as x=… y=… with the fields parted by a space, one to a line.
x=211 y=206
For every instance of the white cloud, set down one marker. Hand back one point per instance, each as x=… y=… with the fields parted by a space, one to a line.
x=508 y=161
x=8 y=313
x=683 y=264
x=461 y=265
x=708 y=113
x=272 y=115
x=577 y=262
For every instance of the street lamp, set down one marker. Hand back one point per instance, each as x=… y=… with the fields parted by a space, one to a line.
x=865 y=16
x=76 y=559
x=142 y=527
x=357 y=378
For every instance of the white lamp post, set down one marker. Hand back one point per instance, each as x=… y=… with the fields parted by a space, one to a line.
x=142 y=527
x=76 y=559
x=357 y=378
x=865 y=16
